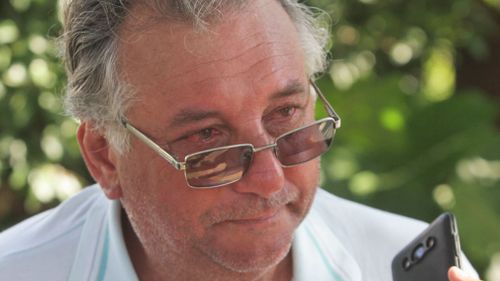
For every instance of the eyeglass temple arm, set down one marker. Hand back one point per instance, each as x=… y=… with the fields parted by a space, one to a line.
x=327 y=106
x=170 y=159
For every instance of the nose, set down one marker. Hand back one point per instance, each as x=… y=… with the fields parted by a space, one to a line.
x=264 y=177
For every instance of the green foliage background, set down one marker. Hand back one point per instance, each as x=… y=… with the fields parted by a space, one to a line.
x=415 y=82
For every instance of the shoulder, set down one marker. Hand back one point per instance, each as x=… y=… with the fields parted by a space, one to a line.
x=356 y=216
x=371 y=236
x=48 y=241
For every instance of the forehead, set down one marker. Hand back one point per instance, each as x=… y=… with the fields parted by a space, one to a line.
x=250 y=49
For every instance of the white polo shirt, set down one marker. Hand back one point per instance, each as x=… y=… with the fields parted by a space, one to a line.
x=82 y=240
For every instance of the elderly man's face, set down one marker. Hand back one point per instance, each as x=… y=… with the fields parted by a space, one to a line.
x=243 y=81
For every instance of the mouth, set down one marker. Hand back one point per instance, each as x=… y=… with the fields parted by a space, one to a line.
x=261 y=218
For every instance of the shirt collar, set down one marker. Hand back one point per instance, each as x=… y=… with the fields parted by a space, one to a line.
x=119 y=266
x=319 y=255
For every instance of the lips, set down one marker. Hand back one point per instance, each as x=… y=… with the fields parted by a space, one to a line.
x=264 y=217
x=249 y=208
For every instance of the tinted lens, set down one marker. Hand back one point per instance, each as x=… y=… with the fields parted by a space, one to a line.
x=218 y=167
x=305 y=144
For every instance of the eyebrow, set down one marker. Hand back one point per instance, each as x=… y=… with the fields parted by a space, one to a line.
x=293 y=87
x=189 y=115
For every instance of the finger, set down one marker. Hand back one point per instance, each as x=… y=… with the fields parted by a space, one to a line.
x=456 y=274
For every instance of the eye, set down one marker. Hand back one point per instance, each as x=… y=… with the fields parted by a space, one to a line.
x=287 y=111
x=284 y=114
x=199 y=139
x=283 y=119
x=204 y=135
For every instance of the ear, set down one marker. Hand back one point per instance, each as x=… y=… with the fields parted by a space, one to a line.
x=100 y=158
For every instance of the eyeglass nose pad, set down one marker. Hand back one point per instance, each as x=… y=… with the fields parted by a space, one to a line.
x=246 y=159
x=264 y=175
x=247 y=155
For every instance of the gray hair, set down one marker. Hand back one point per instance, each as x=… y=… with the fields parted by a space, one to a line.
x=89 y=44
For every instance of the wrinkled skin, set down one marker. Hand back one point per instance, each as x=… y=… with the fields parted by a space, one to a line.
x=244 y=81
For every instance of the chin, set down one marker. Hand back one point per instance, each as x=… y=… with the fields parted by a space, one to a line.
x=251 y=247
x=253 y=258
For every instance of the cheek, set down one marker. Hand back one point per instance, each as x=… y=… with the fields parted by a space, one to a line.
x=306 y=176
x=142 y=169
x=155 y=197
x=164 y=218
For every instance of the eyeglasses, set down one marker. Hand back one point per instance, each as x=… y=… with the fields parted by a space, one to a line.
x=227 y=164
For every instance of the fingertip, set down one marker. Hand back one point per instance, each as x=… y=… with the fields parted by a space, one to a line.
x=456 y=274
x=453 y=273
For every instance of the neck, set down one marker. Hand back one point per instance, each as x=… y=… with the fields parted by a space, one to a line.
x=178 y=267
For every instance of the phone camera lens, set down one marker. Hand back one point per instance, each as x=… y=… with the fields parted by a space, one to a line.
x=406 y=264
x=431 y=241
x=419 y=252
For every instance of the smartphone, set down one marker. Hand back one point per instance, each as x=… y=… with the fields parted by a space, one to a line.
x=431 y=253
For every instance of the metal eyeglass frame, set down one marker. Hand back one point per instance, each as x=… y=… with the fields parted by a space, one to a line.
x=182 y=165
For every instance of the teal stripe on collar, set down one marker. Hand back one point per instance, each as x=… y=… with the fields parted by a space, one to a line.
x=104 y=258
x=334 y=274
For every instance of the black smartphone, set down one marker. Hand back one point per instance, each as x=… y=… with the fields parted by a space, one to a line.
x=430 y=254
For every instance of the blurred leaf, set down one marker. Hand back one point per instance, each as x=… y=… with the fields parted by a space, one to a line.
x=412 y=141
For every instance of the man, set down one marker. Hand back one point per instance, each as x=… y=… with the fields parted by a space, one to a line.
x=166 y=92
